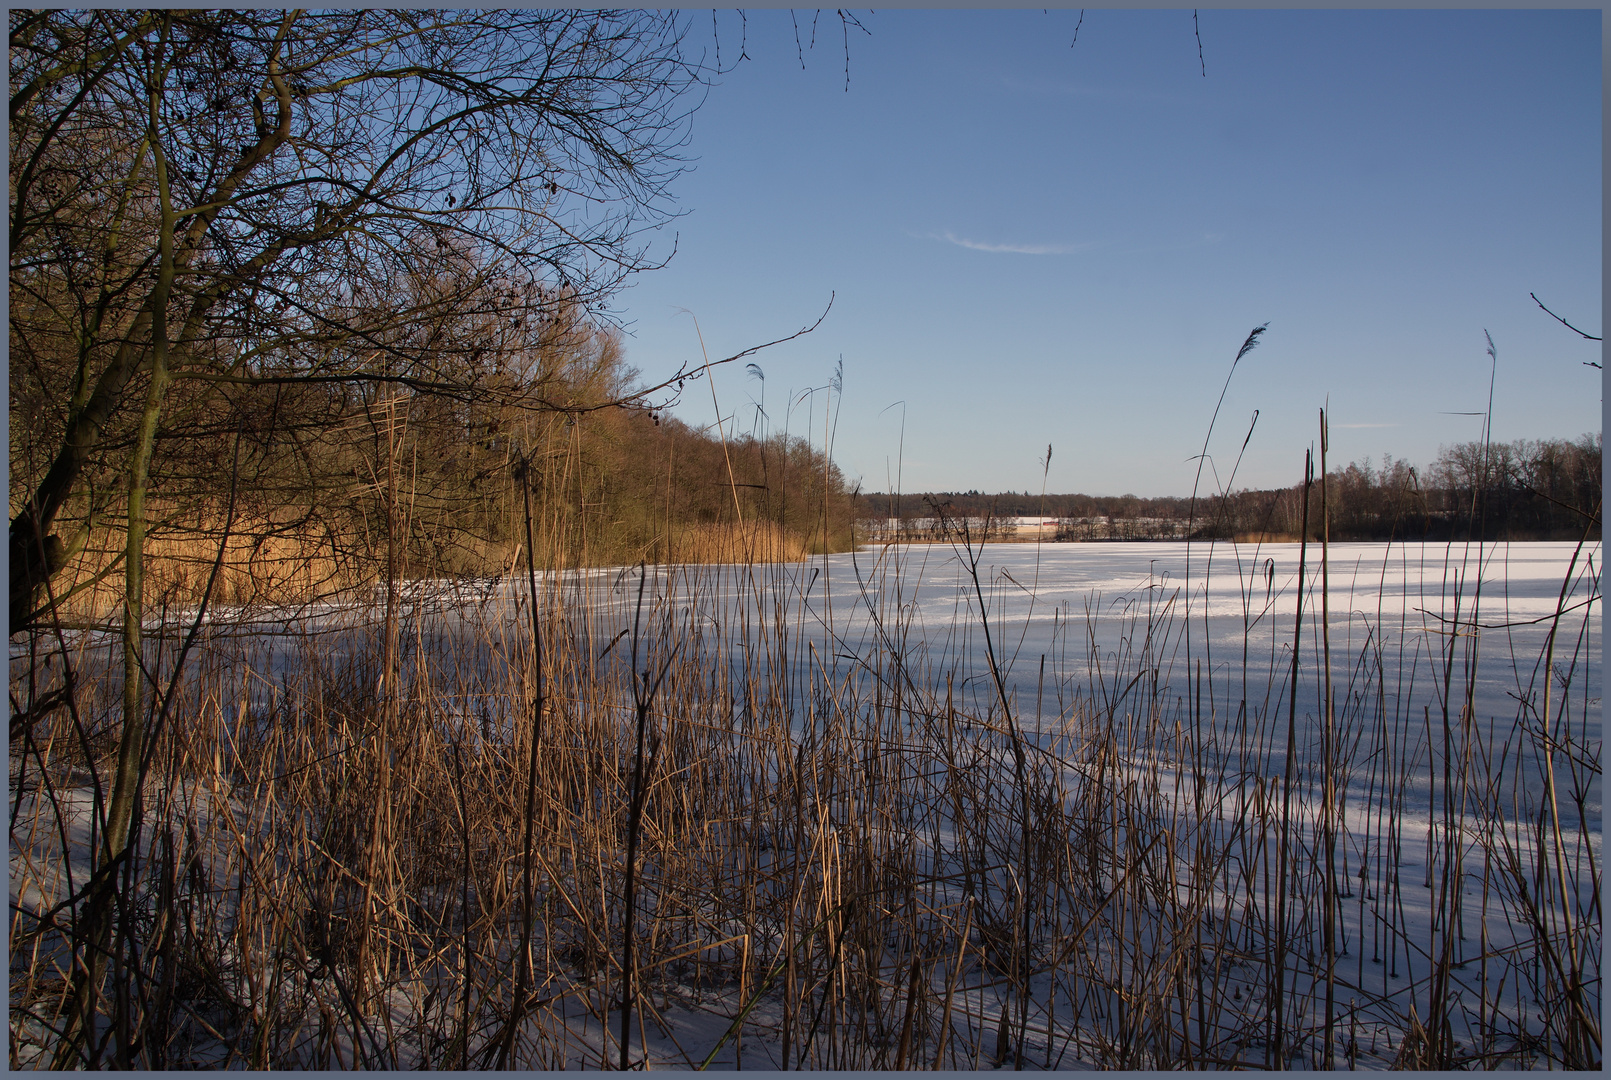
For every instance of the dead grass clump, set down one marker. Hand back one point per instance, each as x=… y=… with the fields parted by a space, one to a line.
x=1266 y=538
x=266 y=561
x=725 y=542
x=294 y=561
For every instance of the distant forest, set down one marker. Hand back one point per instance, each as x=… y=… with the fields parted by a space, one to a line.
x=1545 y=489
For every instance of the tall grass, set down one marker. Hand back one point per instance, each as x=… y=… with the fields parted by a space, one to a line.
x=653 y=813
x=259 y=563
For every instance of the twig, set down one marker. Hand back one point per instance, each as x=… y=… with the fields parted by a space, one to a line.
x=1564 y=323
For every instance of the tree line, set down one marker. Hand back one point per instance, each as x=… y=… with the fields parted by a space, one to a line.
x=1528 y=489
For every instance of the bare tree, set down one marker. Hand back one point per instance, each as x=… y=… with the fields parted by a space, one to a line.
x=203 y=199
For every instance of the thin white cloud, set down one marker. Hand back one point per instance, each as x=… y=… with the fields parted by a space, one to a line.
x=1011 y=249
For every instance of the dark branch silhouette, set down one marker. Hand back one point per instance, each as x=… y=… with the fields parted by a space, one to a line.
x=1569 y=326
x=1562 y=321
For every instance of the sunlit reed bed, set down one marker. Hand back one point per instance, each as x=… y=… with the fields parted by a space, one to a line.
x=916 y=808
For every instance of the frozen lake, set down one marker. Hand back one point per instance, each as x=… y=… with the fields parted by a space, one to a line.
x=1059 y=614
x=1216 y=622
x=1417 y=632
x=1152 y=682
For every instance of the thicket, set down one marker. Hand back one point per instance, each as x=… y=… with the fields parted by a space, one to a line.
x=1529 y=489
x=309 y=488
x=299 y=295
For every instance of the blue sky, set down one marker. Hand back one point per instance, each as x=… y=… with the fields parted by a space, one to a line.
x=1032 y=243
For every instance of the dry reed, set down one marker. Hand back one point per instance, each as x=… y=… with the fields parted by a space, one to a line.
x=699 y=832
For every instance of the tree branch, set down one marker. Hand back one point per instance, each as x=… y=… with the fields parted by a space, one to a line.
x=1562 y=321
